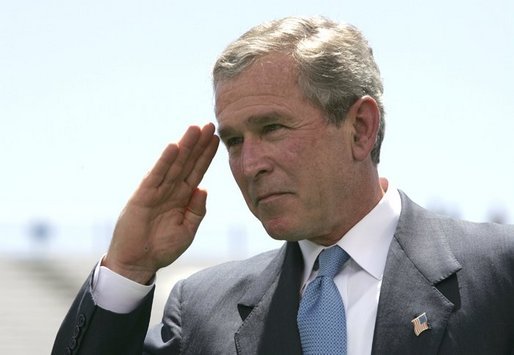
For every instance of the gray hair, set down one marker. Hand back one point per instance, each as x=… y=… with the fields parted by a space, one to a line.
x=335 y=63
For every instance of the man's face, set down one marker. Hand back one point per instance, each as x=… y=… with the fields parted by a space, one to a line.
x=294 y=169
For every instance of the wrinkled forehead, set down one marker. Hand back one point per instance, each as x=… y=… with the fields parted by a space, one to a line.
x=273 y=74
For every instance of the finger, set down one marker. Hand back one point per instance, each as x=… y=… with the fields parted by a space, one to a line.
x=158 y=172
x=184 y=148
x=190 y=150
x=203 y=162
x=195 y=210
x=206 y=135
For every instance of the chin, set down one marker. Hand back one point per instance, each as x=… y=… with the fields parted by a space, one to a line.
x=282 y=231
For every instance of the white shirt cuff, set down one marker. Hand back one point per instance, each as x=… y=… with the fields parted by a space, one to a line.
x=116 y=293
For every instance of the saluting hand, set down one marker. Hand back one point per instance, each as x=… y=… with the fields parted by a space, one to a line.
x=160 y=220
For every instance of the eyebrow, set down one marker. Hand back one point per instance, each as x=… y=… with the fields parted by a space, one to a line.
x=252 y=121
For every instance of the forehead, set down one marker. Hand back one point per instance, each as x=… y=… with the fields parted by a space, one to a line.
x=271 y=78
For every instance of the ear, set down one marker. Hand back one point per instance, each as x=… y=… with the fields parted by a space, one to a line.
x=365 y=117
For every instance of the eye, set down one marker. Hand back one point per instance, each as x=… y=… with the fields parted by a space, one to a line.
x=271 y=127
x=233 y=141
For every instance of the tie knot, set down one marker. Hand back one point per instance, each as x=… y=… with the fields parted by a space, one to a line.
x=331 y=261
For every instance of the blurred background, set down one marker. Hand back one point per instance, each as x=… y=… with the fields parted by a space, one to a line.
x=91 y=92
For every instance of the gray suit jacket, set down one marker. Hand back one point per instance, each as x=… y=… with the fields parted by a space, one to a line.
x=460 y=274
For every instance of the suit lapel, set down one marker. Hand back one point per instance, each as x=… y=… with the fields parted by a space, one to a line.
x=419 y=277
x=419 y=261
x=270 y=306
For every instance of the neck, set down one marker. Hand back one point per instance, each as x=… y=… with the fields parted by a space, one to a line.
x=363 y=199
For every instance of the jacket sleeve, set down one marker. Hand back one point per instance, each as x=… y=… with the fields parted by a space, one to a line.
x=89 y=329
x=166 y=337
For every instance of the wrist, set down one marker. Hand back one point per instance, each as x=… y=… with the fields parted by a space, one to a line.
x=132 y=272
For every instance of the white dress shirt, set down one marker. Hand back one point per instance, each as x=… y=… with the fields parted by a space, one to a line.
x=116 y=293
x=360 y=280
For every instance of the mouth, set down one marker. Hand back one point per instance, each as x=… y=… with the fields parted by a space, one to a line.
x=269 y=197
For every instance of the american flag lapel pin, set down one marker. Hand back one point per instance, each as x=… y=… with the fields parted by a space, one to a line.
x=420 y=324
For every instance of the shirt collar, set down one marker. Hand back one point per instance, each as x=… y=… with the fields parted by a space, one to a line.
x=368 y=241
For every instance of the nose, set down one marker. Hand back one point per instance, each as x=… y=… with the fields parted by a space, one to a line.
x=254 y=158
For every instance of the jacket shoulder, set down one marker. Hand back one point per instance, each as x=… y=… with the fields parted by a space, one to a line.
x=232 y=271
x=199 y=304
x=464 y=238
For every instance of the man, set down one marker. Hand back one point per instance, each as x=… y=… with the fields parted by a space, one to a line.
x=299 y=108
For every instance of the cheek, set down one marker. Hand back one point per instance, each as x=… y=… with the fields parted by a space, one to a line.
x=302 y=159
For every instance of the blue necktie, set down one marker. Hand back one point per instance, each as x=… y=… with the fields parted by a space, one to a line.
x=321 y=317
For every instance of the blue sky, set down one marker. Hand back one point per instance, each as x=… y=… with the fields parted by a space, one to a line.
x=91 y=92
